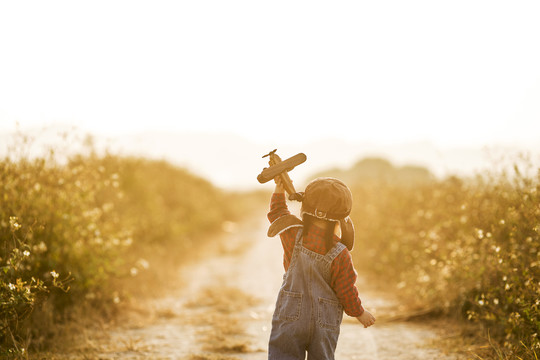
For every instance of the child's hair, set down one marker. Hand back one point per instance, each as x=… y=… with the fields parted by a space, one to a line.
x=329 y=230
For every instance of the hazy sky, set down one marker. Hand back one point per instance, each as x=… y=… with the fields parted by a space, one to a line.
x=450 y=72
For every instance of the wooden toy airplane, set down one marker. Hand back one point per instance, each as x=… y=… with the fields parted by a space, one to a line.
x=281 y=168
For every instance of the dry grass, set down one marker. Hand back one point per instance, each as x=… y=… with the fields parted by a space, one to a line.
x=225 y=334
x=211 y=357
x=223 y=331
x=223 y=299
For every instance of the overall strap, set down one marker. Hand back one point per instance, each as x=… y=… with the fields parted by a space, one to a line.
x=298 y=240
x=297 y=248
x=334 y=252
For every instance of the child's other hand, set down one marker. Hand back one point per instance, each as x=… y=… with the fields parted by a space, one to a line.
x=366 y=319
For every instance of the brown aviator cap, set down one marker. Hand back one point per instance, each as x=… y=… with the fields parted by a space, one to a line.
x=330 y=199
x=327 y=198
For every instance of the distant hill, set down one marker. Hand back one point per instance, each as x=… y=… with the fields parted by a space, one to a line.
x=373 y=169
x=232 y=161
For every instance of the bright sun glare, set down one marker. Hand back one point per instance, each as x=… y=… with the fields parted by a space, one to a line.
x=455 y=73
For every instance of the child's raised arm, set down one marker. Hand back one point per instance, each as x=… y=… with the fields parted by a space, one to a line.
x=280 y=189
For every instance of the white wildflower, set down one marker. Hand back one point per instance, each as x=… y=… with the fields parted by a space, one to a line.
x=143 y=264
x=14 y=223
x=41 y=247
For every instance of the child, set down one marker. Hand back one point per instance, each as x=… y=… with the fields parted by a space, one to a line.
x=319 y=282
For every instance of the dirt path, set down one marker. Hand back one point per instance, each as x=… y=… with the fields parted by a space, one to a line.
x=223 y=309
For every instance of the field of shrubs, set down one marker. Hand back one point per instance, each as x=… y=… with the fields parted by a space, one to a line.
x=85 y=229
x=465 y=247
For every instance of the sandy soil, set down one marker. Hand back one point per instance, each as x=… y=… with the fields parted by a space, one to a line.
x=222 y=309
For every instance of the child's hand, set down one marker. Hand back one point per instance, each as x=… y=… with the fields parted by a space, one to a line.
x=366 y=319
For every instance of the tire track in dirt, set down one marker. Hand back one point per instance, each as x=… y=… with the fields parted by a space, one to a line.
x=223 y=307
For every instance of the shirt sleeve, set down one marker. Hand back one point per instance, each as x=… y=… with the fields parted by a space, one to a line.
x=278 y=208
x=343 y=282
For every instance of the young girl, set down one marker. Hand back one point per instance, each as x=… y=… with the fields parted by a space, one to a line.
x=319 y=282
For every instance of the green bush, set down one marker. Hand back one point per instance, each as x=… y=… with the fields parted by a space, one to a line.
x=20 y=292
x=76 y=231
x=49 y=214
x=467 y=246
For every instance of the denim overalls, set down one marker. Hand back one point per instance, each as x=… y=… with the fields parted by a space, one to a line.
x=308 y=314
